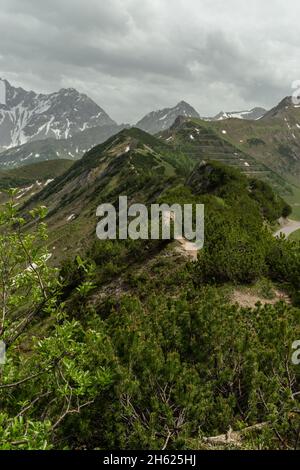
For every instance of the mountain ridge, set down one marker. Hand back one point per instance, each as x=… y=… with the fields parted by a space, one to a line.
x=253 y=114
x=286 y=104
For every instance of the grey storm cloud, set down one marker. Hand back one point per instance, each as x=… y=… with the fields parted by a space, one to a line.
x=134 y=56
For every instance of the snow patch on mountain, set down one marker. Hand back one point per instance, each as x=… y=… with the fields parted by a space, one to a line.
x=253 y=114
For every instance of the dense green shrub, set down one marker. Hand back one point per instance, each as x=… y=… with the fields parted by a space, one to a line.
x=189 y=368
x=283 y=260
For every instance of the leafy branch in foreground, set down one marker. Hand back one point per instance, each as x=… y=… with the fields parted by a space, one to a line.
x=54 y=367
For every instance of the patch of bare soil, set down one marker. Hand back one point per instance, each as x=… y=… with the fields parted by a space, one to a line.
x=187 y=249
x=250 y=299
x=288 y=227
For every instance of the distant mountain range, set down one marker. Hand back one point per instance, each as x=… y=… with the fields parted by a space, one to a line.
x=26 y=116
x=158 y=121
x=67 y=124
x=267 y=149
x=254 y=114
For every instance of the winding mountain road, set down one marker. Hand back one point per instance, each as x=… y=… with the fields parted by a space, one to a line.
x=288 y=227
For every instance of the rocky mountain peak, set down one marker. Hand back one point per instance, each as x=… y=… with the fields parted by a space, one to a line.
x=160 y=120
x=26 y=116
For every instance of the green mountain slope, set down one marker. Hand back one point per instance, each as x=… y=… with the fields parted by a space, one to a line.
x=36 y=172
x=132 y=163
x=273 y=140
x=210 y=141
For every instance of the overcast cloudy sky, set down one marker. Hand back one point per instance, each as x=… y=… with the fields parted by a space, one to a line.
x=133 y=56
